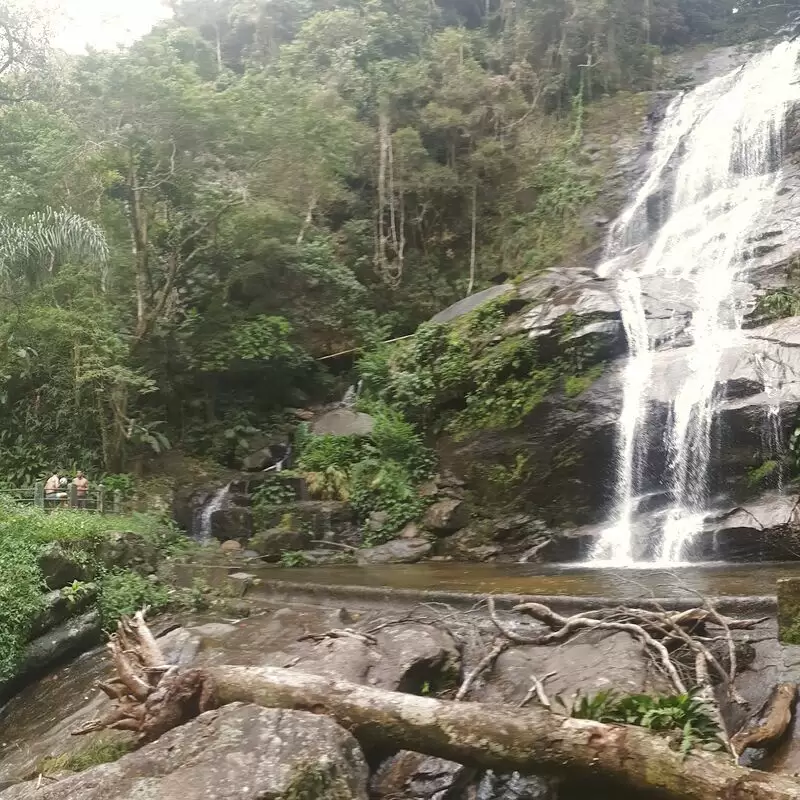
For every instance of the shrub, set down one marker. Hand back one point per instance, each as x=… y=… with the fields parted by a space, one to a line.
x=123 y=592
x=294 y=558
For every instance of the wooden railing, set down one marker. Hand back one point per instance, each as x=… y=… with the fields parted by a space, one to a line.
x=97 y=500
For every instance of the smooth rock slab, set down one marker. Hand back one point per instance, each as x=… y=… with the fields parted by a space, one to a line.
x=588 y=665
x=398 y=551
x=240 y=752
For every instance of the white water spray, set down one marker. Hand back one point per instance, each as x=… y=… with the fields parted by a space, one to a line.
x=719 y=151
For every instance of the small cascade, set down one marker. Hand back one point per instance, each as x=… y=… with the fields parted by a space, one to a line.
x=351 y=395
x=714 y=169
x=217 y=502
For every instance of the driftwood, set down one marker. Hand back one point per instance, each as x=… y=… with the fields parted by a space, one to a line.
x=775 y=722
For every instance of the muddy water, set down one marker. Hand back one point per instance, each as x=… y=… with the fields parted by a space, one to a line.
x=712 y=580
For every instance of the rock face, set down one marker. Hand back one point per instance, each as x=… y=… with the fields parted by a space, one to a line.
x=324 y=518
x=569 y=444
x=398 y=551
x=469 y=304
x=240 y=752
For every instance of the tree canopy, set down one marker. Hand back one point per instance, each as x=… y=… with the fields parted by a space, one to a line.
x=187 y=225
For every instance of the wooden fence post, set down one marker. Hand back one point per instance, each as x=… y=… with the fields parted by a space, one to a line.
x=38 y=494
x=73 y=495
x=101 y=499
x=116 y=507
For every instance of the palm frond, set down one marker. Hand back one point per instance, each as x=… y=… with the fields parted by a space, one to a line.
x=44 y=238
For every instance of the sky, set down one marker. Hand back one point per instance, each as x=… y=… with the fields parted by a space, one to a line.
x=101 y=23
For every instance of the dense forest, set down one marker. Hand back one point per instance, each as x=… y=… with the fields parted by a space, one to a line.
x=189 y=225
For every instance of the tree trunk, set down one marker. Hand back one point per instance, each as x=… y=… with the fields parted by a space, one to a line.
x=138 y=223
x=471 y=285
x=501 y=738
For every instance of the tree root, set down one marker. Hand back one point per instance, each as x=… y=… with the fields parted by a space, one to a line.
x=150 y=695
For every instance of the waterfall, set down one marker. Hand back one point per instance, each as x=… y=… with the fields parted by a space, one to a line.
x=217 y=502
x=714 y=169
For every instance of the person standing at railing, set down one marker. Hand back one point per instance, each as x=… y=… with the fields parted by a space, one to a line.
x=52 y=489
x=81 y=485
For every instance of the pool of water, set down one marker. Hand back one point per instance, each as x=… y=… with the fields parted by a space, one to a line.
x=711 y=580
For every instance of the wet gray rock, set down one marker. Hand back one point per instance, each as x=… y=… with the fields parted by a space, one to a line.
x=213 y=631
x=470 y=544
x=403 y=658
x=232 y=523
x=239 y=752
x=414 y=776
x=469 y=304
x=447 y=516
x=69 y=639
x=343 y=422
x=577 y=298
x=589 y=664
x=271 y=544
x=767 y=529
x=60 y=606
x=180 y=646
x=398 y=551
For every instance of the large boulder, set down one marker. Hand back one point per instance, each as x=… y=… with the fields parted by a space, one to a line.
x=60 y=605
x=587 y=665
x=447 y=516
x=271 y=544
x=232 y=523
x=61 y=565
x=767 y=529
x=240 y=752
x=398 y=551
x=64 y=641
x=569 y=445
x=343 y=422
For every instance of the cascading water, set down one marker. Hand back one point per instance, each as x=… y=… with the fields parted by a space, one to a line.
x=217 y=502
x=714 y=169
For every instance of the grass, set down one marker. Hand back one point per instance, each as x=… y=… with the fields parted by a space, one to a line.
x=94 y=753
x=24 y=532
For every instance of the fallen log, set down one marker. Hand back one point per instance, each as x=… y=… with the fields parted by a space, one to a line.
x=150 y=697
x=505 y=739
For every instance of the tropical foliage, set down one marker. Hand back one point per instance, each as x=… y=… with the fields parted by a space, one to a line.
x=187 y=225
